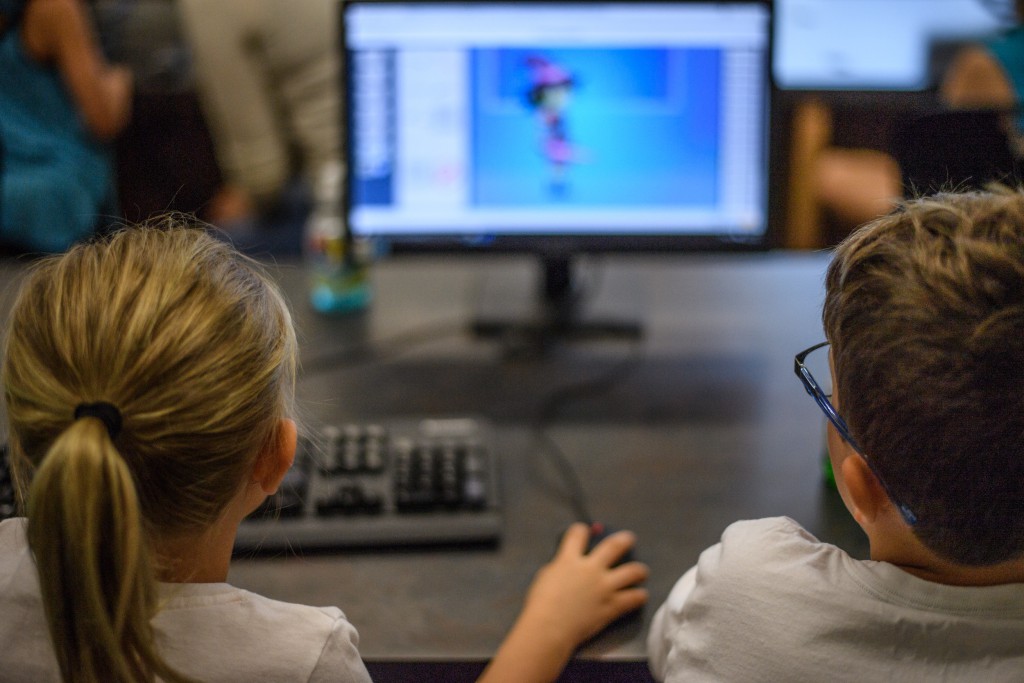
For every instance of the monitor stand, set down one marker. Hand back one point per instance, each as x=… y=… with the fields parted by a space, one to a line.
x=557 y=311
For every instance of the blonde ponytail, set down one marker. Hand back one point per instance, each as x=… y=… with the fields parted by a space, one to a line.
x=87 y=533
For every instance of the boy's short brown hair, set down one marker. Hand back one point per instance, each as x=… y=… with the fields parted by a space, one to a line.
x=925 y=311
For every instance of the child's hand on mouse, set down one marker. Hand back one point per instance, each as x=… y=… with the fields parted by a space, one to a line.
x=571 y=599
x=577 y=594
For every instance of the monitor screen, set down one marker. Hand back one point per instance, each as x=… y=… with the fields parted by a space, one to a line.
x=557 y=126
x=874 y=44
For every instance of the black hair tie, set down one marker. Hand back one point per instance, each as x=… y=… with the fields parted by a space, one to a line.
x=107 y=413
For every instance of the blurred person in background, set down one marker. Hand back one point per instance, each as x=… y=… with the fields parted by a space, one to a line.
x=860 y=185
x=61 y=105
x=267 y=72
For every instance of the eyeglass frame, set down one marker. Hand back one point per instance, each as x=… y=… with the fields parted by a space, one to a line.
x=822 y=399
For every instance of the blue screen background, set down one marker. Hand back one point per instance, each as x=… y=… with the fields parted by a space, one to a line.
x=644 y=124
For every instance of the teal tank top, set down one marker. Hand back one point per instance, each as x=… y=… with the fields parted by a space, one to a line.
x=1008 y=49
x=56 y=180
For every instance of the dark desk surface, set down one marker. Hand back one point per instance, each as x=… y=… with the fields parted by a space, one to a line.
x=706 y=425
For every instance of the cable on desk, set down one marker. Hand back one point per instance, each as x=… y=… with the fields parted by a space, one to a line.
x=561 y=397
x=380 y=350
x=577 y=495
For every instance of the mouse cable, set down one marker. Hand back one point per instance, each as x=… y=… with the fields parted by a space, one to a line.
x=552 y=406
x=577 y=496
x=380 y=350
x=562 y=396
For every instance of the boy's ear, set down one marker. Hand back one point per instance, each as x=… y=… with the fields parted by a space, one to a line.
x=274 y=462
x=868 y=499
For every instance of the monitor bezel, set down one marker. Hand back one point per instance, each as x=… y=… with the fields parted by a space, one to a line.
x=550 y=245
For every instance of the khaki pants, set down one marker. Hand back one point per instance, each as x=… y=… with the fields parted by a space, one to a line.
x=268 y=76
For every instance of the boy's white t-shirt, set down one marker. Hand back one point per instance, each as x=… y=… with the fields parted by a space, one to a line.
x=772 y=603
x=211 y=632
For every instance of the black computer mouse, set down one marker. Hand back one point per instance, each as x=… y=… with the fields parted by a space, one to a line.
x=631 y=620
x=600 y=531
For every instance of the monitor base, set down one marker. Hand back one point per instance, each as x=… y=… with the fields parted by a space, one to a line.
x=555 y=315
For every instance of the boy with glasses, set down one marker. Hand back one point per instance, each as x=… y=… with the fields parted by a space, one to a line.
x=923 y=388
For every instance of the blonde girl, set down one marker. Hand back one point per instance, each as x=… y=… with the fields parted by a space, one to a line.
x=149 y=380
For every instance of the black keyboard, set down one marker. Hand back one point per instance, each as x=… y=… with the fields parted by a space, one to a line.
x=384 y=484
x=410 y=482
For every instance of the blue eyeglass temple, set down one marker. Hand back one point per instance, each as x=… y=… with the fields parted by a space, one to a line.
x=814 y=389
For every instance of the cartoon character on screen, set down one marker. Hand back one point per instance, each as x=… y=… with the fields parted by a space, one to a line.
x=549 y=95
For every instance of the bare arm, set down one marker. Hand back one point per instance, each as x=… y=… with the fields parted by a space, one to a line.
x=975 y=79
x=59 y=32
x=572 y=598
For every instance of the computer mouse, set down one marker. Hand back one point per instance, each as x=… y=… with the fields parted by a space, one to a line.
x=600 y=531
x=631 y=621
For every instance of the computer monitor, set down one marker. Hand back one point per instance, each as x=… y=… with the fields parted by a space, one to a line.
x=557 y=128
x=894 y=45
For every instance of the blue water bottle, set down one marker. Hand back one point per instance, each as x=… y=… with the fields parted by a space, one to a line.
x=338 y=269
